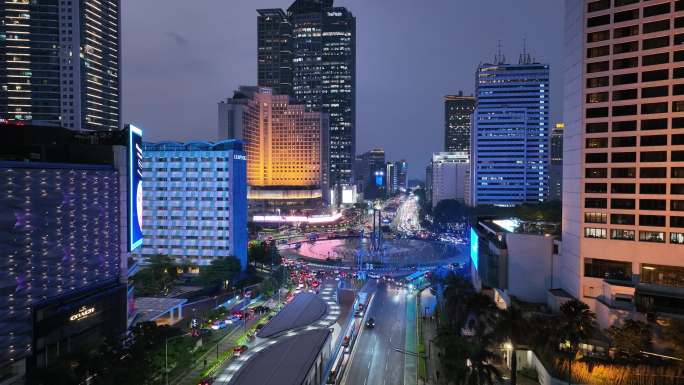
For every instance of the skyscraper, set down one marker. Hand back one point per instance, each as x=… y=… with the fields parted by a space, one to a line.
x=623 y=158
x=323 y=71
x=286 y=146
x=556 y=166
x=61 y=63
x=458 y=113
x=274 y=53
x=510 y=142
x=371 y=173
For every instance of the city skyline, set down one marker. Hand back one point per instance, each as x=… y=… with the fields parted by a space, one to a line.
x=216 y=64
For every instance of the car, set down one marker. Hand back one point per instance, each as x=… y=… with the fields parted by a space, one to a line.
x=370 y=323
x=238 y=350
x=206 y=381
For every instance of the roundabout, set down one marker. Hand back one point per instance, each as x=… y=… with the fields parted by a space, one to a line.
x=394 y=253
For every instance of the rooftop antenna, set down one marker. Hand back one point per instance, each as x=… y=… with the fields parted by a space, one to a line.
x=525 y=57
x=499 y=58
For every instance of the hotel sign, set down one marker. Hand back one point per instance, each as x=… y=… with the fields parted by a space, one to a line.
x=83 y=313
x=135 y=187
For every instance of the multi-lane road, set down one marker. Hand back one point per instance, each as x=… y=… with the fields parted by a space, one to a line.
x=380 y=354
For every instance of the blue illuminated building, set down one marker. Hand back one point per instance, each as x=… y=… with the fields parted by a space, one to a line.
x=510 y=141
x=195 y=201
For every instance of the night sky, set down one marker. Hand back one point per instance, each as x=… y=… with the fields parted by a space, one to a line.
x=181 y=57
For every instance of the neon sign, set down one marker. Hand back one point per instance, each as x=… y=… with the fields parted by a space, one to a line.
x=474 y=248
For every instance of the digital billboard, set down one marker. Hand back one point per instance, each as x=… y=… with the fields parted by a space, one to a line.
x=348 y=195
x=379 y=178
x=474 y=248
x=135 y=188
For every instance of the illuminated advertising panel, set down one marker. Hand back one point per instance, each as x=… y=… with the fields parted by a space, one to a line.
x=474 y=248
x=379 y=178
x=348 y=195
x=135 y=188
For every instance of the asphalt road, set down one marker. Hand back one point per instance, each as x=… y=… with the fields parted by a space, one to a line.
x=375 y=360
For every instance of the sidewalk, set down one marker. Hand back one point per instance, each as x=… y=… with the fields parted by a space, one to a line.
x=226 y=343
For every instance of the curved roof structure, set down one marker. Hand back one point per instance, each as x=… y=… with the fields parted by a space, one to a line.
x=305 y=309
x=287 y=362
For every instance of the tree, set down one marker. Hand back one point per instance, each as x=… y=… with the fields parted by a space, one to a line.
x=220 y=271
x=514 y=328
x=576 y=323
x=631 y=338
x=157 y=277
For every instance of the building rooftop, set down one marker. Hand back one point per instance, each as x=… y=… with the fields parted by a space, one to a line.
x=305 y=309
x=285 y=363
x=151 y=308
x=224 y=145
x=518 y=226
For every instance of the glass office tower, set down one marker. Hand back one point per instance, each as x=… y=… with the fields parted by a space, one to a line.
x=61 y=63
x=323 y=70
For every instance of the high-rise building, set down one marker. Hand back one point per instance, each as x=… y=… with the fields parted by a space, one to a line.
x=196 y=196
x=63 y=272
x=510 y=140
x=61 y=63
x=458 y=114
x=371 y=173
x=286 y=146
x=396 y=177
x=274 y=53
x=623 y=158
x=556 y=166
x=449 y=177
x=322 y=40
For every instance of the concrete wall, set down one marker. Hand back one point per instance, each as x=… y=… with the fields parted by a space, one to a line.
x=529 y=266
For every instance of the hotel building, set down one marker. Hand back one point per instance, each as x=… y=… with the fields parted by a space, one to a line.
x=196 y=201
x=311 y=55
x=623 y=157
x=61 y=63
x=286 y=147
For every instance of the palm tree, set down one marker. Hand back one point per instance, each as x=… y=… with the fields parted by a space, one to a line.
x=576 y=323
x=514 y=328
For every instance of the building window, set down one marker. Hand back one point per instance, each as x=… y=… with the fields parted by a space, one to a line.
x=628 y=62
x=677 y=222
x=596 y=173
x=662 y=275
x=655 y=59
x=595 y=217
x=622 y=188
x=653 y=172
x=652 y=220
x=629 y=125
x=597 y=142
x=631 y=30
x=631 y=14
x=653 y=124
x=595 y=203
x=622 y=219
x=653 y=156
x=652 y=204
x=622 y=235
x=657 y=9
x=625 y=94
x=652 y=236
x=624 y=141
x=593 y=128
x=593 y=232
x=623 y=157
x=625 y=172
x=606 y=269
x=622 y=204
x=598 y=97
x=654 y=76
x=595 y=188
x=598 y=67
x=677 y=238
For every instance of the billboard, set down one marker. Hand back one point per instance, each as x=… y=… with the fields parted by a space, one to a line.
x=379 y=178
x=135 y=188
x=474 y=248
x=348 y=195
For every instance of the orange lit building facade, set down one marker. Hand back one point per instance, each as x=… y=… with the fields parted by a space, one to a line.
x=287 y=156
